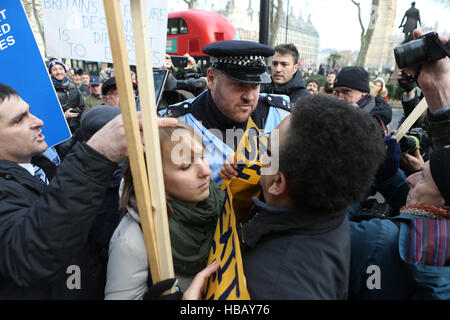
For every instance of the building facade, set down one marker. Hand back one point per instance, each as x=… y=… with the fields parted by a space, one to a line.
x=299 y=32
x=380 y=54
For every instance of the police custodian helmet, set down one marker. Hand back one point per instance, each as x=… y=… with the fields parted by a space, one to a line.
x=240 y=60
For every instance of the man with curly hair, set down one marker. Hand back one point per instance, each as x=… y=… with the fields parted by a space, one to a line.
x=297 y=245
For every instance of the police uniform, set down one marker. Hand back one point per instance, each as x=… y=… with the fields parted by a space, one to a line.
x=242 y=61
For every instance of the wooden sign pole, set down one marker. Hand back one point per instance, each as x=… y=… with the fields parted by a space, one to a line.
x=132 y=132
x=413 y=116
x=151 y=136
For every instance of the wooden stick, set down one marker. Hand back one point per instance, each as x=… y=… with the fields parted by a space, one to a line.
x=132 y=132
x=413 y=116
x=151 y=136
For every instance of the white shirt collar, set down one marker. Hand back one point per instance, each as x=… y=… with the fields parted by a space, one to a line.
x=28 y=166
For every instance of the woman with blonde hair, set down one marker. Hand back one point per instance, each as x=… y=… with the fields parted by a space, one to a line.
x=194 y=203
x=378 y=88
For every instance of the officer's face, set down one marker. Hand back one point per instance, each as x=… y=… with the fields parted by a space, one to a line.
x=236 y=100
x=20 y=131
x=283 y=68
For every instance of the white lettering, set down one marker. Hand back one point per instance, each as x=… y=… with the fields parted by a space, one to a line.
x=374 y=280
x=74 y=280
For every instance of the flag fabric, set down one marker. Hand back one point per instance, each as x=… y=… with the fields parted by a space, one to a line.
x=228 y=282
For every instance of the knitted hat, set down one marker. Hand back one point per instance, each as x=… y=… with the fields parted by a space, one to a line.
x=53 y=63
x=95 y=118
x=353 y=77
x=440 y=171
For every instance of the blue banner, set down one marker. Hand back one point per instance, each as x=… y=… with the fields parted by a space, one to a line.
x=23 y=69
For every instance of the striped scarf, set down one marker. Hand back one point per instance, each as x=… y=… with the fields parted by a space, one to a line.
x=429 y=237
x=61 y=84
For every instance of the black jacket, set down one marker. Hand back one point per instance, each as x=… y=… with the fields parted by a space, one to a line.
x=294 y=88
x=293 y=254
x=71 y=97
x=43 y=230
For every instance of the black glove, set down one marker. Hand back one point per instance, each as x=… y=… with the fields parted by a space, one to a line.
x=392 y=162
x=407 y=82
x=155 y=291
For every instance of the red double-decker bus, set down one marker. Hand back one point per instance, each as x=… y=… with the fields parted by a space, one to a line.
x=189 y=31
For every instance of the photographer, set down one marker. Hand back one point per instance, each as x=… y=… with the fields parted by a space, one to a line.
x=70 y=97
x=432 y=75
x=408 y=249
x=181 y=85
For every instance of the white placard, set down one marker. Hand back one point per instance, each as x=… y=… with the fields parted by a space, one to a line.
x=77 y=29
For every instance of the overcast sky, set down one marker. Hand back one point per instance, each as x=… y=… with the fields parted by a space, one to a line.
x=337 y=20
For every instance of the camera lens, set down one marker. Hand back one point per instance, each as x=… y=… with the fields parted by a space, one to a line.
x=408 y=144
x=410 y=53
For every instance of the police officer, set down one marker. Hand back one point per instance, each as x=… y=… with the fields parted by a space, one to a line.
x=221 y=113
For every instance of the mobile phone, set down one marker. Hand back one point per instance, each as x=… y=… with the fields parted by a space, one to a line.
x=179 y=61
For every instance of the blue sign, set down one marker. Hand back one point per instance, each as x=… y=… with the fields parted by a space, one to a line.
x=23 y=69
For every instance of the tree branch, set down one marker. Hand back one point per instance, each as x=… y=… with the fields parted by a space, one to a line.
x=363 y=30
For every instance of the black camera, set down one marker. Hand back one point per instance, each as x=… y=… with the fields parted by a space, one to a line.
x=179 y=61
x=416 y=137
x=428 y=48
x=192 y=84
x=408 y=144
x=78 y=71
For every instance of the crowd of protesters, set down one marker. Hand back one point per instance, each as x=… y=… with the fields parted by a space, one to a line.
x=315 y=232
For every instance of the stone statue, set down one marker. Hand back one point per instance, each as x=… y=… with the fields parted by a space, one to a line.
x=412 y=16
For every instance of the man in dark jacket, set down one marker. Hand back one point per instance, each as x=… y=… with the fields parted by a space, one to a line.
x=69 y=96
x=352 y=85
x=297 y=245
x=44 y=228
x=286 y=76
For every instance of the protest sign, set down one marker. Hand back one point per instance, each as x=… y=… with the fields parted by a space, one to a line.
x=78 y=30
x=23 y=69
x=153 y=222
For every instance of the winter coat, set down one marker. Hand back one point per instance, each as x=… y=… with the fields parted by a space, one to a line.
x=380 y=262
x=127 y=276
x=294 y=88
x=71 y=97
x=92 y=101
x=44 y=229
x=290 y=253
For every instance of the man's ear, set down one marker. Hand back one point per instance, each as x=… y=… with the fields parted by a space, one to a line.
x=279 y=184
x=211 y=75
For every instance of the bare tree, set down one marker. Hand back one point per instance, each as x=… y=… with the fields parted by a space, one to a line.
x=33 y=11
x=191 y=3
x=366 y=33
x=276 y=14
